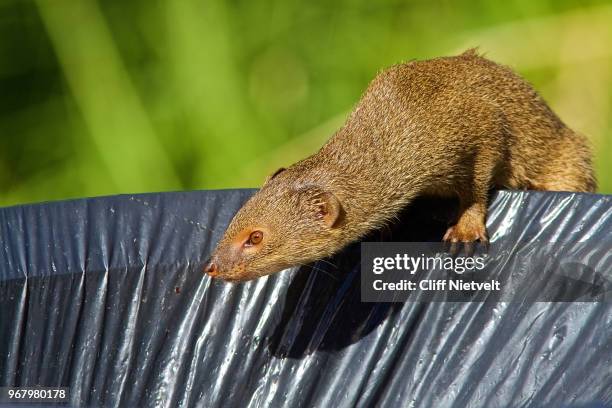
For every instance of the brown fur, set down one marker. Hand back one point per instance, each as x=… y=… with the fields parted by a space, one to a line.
x=451 y=126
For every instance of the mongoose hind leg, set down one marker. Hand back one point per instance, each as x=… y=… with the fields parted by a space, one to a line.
x=569 y=168
x=566 y=181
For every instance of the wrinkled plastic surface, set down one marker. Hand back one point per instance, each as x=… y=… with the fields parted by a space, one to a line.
x=106 y=296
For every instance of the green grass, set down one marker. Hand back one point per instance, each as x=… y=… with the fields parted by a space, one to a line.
x=106 y=97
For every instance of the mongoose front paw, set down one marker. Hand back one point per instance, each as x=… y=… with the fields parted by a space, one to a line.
x=466 y=234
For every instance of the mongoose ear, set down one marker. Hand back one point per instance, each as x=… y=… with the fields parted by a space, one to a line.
x=328 y=208
x=276 y=173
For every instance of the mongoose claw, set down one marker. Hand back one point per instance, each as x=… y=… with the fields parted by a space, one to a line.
x=466 y=237
x=470 y=248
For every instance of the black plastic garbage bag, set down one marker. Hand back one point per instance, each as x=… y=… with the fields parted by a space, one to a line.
x=106 y=296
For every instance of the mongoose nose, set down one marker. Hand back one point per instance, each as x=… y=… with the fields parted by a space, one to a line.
x=211 y=268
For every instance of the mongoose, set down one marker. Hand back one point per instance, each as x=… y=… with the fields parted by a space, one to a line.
x=449 y=126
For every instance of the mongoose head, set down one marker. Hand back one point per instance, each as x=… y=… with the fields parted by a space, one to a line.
x=288 y=222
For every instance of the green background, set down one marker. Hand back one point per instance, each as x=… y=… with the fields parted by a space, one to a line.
x=106 y=97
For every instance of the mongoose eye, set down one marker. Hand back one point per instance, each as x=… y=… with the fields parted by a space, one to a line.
x=255 y=238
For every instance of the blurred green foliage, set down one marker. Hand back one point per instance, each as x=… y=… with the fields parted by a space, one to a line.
x=115 y=96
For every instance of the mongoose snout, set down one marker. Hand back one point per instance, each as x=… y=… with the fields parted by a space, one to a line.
x=450 y=126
